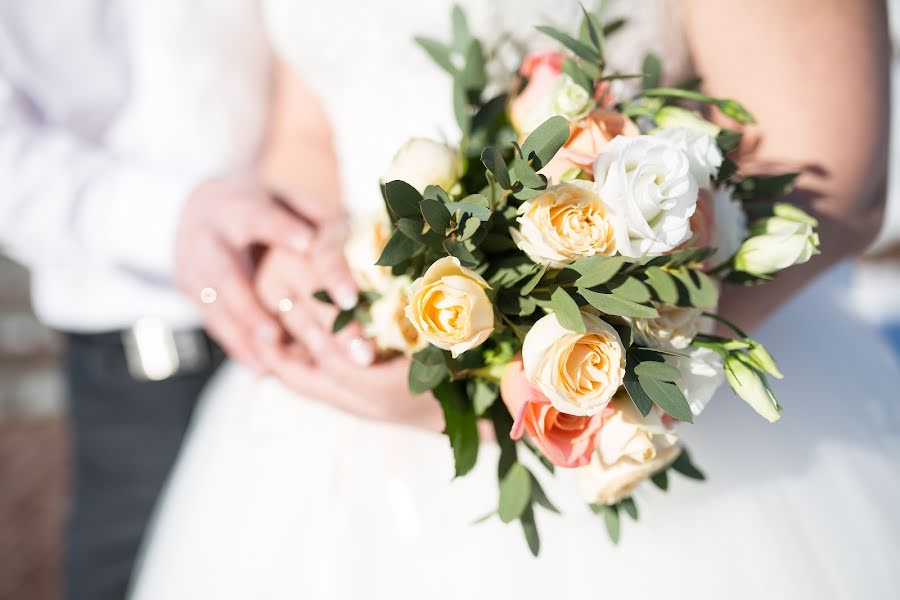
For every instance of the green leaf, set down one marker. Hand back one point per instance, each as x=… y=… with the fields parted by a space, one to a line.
x=662 y=285
x=571 y=69
x=544 y=142
x=702 y=292
x=657 y=370
x=579 y=48
x=459 y=425
x=641 y=400
x=610 y=515
x=533 y=281
x=529 y=527
x=343 y=318
x=766 y=187
x=613 y=305
x=398 y=249
x=428 y=370
x=402 y=199
x=567 y=312
x=630 y=508
x=461 y=35
x=323 y=296
x=613 y=26
x=668 y=397
x=474 y=205
x=484 y=394
x=459 y=250
x=411 y=227
x=461 y=106
x=684 y=466
x=494 y=162
x=472 y=77
x=660 y=480
x=629 y=288
x=728 y=139
x=526 y=175
x=591 y=30
x=538 y=495
x=652 y=71
x=626 y=333
x=470 y=228
x=435 y=192
x=731 y=108
x=597 y=270
x=439 y=53
x=515 y=492
x=436 y=215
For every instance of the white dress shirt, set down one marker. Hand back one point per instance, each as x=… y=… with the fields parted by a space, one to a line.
x=111 y=112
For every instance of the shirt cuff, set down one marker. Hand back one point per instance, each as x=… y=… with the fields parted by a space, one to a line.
x=136 y=211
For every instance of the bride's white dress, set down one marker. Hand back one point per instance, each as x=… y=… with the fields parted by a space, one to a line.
x=278 y=496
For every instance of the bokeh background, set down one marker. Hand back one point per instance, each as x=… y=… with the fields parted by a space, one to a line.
x=33 y=461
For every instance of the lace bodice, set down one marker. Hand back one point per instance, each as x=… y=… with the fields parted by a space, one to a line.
x=379 y=88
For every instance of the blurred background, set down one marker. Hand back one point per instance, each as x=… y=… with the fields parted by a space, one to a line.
x=33 y=474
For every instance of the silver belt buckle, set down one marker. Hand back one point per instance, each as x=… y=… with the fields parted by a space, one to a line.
x=154 y=351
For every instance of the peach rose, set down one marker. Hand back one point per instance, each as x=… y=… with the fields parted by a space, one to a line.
x=542 y=70
x=566 y=440
x=587 y=139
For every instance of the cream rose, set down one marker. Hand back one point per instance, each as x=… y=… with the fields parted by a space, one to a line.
x=578 y=372
x=674 y=328
x=701 y=149
x=564 y=223
x=647 y=183
x=389 y=326
x=630 y=449
x=421 y=162
x=364 y=245
x=449 y=307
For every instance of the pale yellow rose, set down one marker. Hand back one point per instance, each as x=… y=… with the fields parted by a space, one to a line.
x=421 y=162
x=564 y=223
x=364 y=245
x=389 y=326
x=674 y=328
x=448 y=305
x=630 y=449
x=578 y=372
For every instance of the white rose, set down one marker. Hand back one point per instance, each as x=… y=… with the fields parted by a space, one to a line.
x=674 y=328
x=449 y=307
x=701 y=149
x=364 y=245
x=578 y=372
x=701 y=375
x=630 y=449
x=563 y=223
x=389 y=326
x=421 y=162
x=646 y=182
x=731 y=224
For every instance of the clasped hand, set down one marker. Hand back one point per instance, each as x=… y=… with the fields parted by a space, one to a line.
x=261 y=310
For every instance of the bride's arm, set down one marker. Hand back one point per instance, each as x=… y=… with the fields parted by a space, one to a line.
x=815 y=74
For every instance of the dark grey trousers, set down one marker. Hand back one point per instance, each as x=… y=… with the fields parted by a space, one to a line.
x=125 y=437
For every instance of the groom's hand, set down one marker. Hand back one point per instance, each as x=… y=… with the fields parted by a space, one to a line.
x=221 y=221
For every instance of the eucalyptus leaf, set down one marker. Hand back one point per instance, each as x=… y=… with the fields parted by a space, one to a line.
x=538 y=495
x=641 y=400
x=473 y=77
x=567 y=312
x=402 y=199
x=343 y=318
x=494 y=162
x=580 y=48
x=470 y=206
x=660 y=480
x=459 y=250
x=684 y=466
x=652 y=71
x=436 y=215
x=597 y=270
x=571 y=68
x=668 y=397
x=662 y=285
x=459 y=425
x=398 y=249
x=529 y=527
x=629 y=288
x=543 y=143
x=461 y=108
x=630 y=508
x=526 y=175
x=428 y=370
x=515 y=492
x=613 y=305
x=323 y=296
x=483 y=394
x=657 y=370
x=470 y=228
x=533 y=280
x=411 y=227
x=461 y=34
x=439 y=53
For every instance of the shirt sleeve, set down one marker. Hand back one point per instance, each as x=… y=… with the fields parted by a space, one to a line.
x=64 y=199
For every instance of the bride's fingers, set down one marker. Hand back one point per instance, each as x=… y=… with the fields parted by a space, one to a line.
x=327 y=258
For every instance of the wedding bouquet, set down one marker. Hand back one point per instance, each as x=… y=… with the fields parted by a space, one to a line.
x=557 y=272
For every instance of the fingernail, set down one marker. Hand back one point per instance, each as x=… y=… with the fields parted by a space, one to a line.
x=300 y=241
x=345 y=296
x=266 y=333
x=361 y=352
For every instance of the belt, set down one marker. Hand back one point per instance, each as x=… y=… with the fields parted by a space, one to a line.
x=152 y=351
